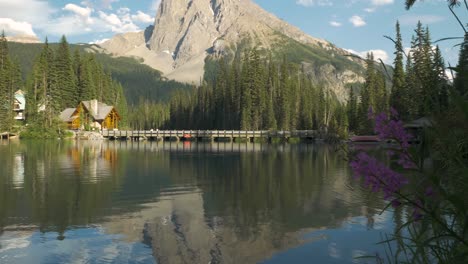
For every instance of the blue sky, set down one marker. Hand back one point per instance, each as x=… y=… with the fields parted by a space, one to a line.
x=357 y=25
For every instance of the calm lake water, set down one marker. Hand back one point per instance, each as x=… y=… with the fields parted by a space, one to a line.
x=148 y=202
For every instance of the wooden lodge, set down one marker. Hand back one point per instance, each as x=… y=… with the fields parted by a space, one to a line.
x=91 y=113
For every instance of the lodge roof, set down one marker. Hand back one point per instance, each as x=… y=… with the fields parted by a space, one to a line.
x=66 y=115
x=98 y=110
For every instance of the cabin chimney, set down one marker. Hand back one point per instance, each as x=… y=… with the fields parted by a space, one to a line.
x=94 y=106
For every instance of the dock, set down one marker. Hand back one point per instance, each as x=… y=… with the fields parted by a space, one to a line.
x=7 y=136
x=209 y=135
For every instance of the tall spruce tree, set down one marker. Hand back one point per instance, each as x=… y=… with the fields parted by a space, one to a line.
x=461 y=79
x=352 y=110
x=398 y=81
x=367 y=96
x=7 y=86
x=283 y=97
x=65 y=90
x=440 y=94
x=41 y=104
x=411 y=91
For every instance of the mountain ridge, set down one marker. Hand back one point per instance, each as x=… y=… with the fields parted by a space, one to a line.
x=186 y=33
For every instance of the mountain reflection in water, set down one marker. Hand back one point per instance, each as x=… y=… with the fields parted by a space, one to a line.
x=148 y=202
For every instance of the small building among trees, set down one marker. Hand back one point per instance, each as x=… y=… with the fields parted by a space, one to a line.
x=91 y=115
x=19 y=105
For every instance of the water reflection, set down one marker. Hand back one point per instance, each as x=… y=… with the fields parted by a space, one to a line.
x=178 y=203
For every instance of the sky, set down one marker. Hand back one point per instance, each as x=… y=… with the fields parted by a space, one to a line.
x=356 y=25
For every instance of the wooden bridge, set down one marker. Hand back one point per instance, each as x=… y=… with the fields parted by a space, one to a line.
x=209 y=135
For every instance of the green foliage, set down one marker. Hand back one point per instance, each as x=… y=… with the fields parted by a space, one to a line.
x=146 y=115
x=297 y=52
x=36 y=130
x=422 y=89
x=461 y=80
x=63 y=79
x=373 y=96
x=352 y=110
x=397 y=99
x=9 y=82
x=253 y=92
x=138 y=80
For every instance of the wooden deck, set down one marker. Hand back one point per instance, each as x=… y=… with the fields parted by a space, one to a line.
x=207 y=135
x=7 y=136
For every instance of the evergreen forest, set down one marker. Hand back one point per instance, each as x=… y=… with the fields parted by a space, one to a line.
x=60 y=78
x=252 y=90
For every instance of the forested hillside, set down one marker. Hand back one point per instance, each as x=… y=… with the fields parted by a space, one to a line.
x=138 y=80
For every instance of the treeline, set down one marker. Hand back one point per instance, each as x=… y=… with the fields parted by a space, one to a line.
x=61 y=80
x=419 y=88
x=10 y=81
x=254 y=93
x=58 y=80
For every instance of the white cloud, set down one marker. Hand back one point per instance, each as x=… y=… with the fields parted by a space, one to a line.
x=378 y=54
x=13 y=28
x=123 y=10
x=118 y=24
x=71 y=19
x=99 y=41
x=381 y=2
x=111 y=19
x=108 y=3
x=99 y=4
x=82 y=11
x=142 y=17
x=314 y=2
x=357 y=21
x=335 y=24
x=413 y=19
x=370 y=9
x=33 y=11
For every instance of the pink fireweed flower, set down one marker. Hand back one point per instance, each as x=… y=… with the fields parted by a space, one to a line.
x=391 y=128
x=394 y=112
x=377 y=176
x=406 y=162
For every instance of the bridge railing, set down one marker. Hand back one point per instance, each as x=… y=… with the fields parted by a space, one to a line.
x=209 y=133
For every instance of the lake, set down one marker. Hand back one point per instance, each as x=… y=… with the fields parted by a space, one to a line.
x=149 y=202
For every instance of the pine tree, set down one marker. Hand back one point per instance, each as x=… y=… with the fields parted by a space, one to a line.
x=461 y=79
x=6 y=87
x=398 y=82
x=284 y=111
x=246 y=94
x=39 y=93
x=64 y=79
x=439 y=79
x=411 y=93
x=367 y=96
x=271 y=83
x=352 y=110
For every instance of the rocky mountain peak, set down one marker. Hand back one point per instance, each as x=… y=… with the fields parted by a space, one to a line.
x=185 y=32
x=186 y=29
